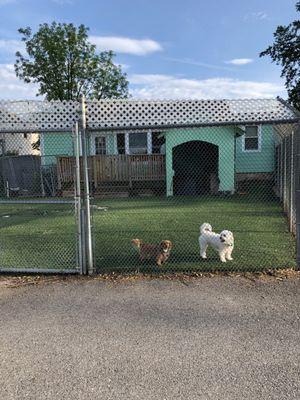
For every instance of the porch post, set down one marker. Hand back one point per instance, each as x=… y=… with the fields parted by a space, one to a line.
x=169 y=166
x=149 y=142
x=126 y=143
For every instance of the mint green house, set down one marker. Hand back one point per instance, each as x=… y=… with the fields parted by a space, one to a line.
x=195 y=161
x=181 y=147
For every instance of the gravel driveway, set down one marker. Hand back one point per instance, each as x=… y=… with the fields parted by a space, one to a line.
x=211 y=338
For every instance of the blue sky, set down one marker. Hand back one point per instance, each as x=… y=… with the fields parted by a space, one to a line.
x=168 y=48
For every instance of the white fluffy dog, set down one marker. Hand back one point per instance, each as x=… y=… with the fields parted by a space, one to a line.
x=222 y=242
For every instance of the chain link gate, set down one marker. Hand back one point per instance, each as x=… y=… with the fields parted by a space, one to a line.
x=155 y=172
x=39 y=217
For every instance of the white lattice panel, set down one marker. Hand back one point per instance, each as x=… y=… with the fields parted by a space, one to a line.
x=42 y=116
x=38 y=116
x=134 y=113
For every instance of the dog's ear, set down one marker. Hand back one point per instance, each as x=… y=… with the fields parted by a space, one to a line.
x=136 y=242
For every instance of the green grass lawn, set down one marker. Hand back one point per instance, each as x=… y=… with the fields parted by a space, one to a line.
x=261 y=234
x=44 y=236
x=37 y=236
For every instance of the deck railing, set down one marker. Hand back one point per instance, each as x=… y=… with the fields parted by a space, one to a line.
x=114 y=168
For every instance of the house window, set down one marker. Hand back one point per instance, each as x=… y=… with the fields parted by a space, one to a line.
x=138 y=143
x=100 y=145
x=252 y=138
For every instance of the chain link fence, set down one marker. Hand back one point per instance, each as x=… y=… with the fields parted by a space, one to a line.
x=38 y=219
x=148 y=186
x=228 y=177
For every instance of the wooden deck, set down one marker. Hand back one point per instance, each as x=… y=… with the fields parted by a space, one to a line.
x=114 y=169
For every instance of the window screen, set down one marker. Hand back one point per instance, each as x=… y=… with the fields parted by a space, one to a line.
x=138 y=143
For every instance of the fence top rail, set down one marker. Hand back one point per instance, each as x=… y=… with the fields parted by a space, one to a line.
x=56 y=116
x=36 y=201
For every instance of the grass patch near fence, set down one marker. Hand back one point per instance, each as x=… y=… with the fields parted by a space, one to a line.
x=262 y=239
x=44 y=236
x=41 y=236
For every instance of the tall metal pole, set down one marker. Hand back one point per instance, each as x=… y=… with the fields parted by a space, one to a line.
x=292 y=188
x=297 y=191
x=80 y=236
x=86 y=198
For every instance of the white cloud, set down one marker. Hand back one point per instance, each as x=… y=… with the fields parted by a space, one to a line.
x=124 y=67
x=188 y=61
x=256 y=15
x=240 y=61
x=170 y=87
x=11 y=87
x=138 y=47
x=11 y=45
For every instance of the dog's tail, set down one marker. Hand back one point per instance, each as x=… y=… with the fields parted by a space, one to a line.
x=206 y=227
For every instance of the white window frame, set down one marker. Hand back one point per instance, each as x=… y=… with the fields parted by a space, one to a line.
x=93 y=144
x=259 y=137
x=149 y=141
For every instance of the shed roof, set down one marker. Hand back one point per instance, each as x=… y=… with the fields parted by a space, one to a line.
x=41 y=116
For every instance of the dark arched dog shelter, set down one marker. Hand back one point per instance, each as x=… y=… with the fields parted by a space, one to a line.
x=195 y=166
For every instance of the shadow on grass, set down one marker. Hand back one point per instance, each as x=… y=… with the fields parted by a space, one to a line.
x=182 y=262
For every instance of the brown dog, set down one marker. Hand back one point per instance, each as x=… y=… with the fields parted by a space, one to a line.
x=159 y=252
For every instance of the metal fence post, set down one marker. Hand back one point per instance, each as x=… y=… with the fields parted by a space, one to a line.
x=80 y=236
x=285 y=176
x=86 y=198
x=298 y=227
x=297 y=192
x=292 y=188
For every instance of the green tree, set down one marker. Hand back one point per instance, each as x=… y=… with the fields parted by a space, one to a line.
x=65 y=65
x=285 y=52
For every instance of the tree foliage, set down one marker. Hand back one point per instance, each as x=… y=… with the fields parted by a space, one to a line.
x=65 y=65
x=285 y=52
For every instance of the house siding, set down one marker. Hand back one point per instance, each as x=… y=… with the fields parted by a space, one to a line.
x=55 y=144
x=61 y=144
x=257 y=161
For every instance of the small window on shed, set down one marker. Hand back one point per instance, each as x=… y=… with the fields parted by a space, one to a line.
x=100 y=145
x=251 y=138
